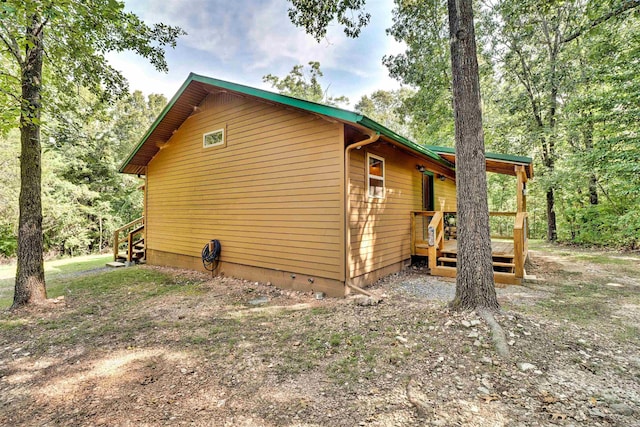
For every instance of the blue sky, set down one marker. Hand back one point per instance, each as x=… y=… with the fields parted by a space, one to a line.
x=243 y=40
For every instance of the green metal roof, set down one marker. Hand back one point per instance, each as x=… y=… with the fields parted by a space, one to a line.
x=492 y=156
x=193 y=91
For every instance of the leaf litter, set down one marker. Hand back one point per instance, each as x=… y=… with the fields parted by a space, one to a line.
x=198 y=353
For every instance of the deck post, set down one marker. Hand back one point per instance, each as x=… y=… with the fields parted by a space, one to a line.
x=521 y=193
x=130 y=244
x=413 y=233
x=116 y=244
x=519 y=243
x=436 y=235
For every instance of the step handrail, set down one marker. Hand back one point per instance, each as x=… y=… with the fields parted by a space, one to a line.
x=520 y=243
x=436 y=238
x=138 y=226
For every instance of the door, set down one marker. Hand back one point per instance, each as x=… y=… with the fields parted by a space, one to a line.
x=427 y=191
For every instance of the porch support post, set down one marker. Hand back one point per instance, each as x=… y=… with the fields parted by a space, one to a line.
x=521 y=197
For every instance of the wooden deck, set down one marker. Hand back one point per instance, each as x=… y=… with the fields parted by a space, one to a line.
x=430 y=238
x=499 y=248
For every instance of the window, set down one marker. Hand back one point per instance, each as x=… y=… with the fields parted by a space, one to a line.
x=213 y=139
x=375 y=176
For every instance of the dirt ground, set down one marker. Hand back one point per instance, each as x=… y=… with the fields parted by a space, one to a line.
x=149 y=346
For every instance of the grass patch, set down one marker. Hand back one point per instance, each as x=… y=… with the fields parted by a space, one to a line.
x=604 y=259
x=584 y=302
x=62 y=266
x=57 y=273
x=98 y=305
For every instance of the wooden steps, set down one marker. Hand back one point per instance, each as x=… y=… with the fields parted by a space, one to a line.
x=502 y=263
x=138 y=253
x=130 y=237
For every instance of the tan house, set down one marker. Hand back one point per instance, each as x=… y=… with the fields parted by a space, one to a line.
x=299 y=194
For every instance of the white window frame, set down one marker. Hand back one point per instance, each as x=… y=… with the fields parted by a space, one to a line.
x=222 y=142
x=376 y=177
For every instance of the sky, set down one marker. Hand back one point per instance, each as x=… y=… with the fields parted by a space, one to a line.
x=243 y=40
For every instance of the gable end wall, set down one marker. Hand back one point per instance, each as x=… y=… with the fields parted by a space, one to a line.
x=272 y=196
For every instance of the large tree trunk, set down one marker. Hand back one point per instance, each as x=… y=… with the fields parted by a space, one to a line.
x=30 y=285
x=474 y=283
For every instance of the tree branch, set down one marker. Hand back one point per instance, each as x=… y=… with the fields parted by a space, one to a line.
x=12 y=95
x=626 y=5
x=11 y=44
x=527 y=81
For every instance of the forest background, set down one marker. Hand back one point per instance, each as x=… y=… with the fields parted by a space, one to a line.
x=560 y=83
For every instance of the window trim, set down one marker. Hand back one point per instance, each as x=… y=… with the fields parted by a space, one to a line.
x=376 y=177
x=222 y=143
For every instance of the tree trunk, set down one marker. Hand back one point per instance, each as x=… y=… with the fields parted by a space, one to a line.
x=30 y=285
x=474 y=283
x=593 y=189
x=552 y=232
x=588 y=146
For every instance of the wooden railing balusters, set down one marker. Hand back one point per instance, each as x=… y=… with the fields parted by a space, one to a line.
x=131 y=229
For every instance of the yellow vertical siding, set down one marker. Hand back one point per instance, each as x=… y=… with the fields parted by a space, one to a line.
x=380 y=228
x=272 y=195
x=444 y=194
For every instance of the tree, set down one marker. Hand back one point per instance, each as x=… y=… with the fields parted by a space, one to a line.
x=390 y=108
x=426 y=65
x=70 y=38
x=84 y=198
x=532 y=42
x=299 y=85
x=474 y=281
x=474 y=285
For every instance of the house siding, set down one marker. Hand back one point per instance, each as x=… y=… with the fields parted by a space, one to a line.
x=445 y=195
x=272 y=195
x=380 y=228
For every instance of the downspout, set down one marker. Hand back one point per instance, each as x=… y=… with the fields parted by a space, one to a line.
x=373 y=137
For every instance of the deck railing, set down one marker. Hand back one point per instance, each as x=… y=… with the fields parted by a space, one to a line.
x=501 y=224
x=419 y=223
x=430 y=229
x=128 y=233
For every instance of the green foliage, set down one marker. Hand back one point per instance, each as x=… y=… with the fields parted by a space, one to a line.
x=300 y=84
x=77 y=35
x=9 y=190
x=316 y=15
x=425 y=65
x=84 y=197
x=389 y=108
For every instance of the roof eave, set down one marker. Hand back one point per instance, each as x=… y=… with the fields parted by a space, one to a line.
x=345 y=116
x=494 y=156
x=157 y=121
x=370 y=124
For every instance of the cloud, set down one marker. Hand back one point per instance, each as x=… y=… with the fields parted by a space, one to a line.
x=243 y=40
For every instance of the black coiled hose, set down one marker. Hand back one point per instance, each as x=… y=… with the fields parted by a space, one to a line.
x=211 y=258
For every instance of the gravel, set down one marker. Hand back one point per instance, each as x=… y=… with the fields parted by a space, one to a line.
x=416 y=281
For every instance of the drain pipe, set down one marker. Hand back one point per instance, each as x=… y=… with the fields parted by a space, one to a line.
x=373 y=137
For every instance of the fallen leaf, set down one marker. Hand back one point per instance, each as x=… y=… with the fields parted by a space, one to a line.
x=489 y=397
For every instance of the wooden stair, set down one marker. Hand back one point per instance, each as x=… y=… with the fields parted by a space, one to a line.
x=132 y=242
x=138 y=253
x=502 y=263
